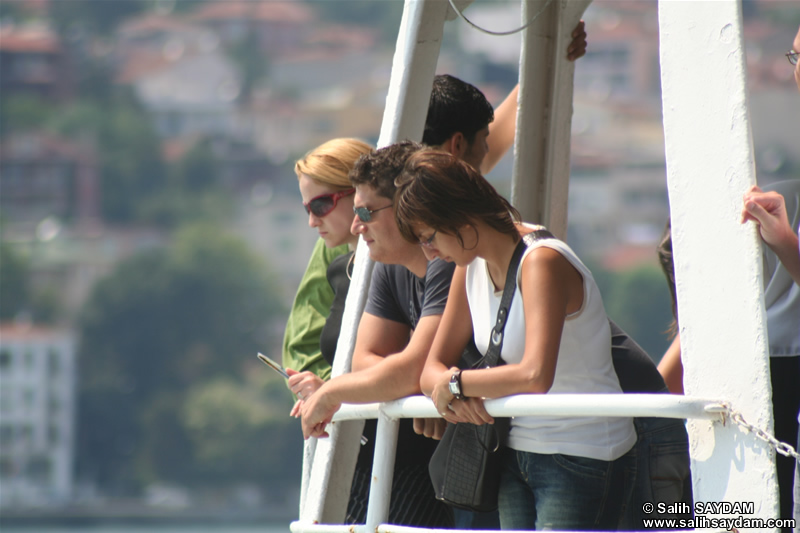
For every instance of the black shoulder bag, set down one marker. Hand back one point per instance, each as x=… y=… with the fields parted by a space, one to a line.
x=465 y=468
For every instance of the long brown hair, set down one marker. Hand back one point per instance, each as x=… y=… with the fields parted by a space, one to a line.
x=441 y=191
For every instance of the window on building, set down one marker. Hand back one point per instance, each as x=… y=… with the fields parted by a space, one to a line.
x=6 y=400
x=53 y=434
x=39 y=468
x=53 y=402
x=6 y=467
x=28 y=398
x=26 y=435
x=6 y=434
x=5 y=359
x=53 y=362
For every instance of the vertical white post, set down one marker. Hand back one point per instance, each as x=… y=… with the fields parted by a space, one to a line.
x=326 y=483
x=718 y=261
x=413 y=68
x=380 y=491
x=540 y=185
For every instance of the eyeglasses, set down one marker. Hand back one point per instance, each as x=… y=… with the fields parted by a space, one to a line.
x=791 y=55
x=365 y=215
x=325 y=203
x=428 y=243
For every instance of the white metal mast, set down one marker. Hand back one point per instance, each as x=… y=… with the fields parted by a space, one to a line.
x=710 y=164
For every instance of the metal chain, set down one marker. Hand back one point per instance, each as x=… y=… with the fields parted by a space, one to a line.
x=490 y=32
x=780 y=447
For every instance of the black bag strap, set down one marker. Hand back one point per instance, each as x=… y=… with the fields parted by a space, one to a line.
x=492 y=357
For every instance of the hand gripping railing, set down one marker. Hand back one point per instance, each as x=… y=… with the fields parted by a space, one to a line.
x=389 y=414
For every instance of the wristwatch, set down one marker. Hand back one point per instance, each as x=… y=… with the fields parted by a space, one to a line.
x=455 y=385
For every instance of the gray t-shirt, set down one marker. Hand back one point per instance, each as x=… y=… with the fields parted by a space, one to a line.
x=396 y=294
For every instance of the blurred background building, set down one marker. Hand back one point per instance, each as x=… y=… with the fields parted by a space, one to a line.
x=37 y=415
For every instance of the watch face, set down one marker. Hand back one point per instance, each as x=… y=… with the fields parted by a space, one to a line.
x=454 y=389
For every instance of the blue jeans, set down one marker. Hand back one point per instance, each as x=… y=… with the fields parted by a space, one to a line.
x=475 y=520
x=556 y=491
x=657 y=470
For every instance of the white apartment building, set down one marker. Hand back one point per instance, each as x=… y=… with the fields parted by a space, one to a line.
x=37 y=415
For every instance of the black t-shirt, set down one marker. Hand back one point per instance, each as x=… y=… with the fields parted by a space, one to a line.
x=338 y=273
x=637 y=373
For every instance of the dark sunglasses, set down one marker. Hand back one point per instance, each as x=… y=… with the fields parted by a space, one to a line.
x=365 y=215
x=323 y=204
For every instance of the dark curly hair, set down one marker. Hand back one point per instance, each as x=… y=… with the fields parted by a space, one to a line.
x=379 y=168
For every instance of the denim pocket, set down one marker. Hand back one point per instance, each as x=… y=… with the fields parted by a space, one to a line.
x=584 y=466
x=669 y=469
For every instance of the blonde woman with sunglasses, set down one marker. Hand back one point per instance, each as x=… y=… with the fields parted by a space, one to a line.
x=309 y=341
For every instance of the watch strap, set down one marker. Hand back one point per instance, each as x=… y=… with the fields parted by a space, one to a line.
x=455 y=385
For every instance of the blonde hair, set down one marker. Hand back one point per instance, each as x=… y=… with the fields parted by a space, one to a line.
x=331 y=162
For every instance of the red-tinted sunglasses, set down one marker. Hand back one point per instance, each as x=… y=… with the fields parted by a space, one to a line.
x=325 y=203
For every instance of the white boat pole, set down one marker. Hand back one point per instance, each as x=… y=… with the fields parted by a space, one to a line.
x=380 y=492
x=540 y=183
x=718 y=260
x=326 y=488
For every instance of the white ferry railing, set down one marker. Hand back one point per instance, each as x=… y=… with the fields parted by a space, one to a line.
x=390 y=413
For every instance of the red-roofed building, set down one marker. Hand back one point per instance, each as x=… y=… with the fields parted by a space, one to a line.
x=45 y=175
x=32 y=61
x=277 y=26
x=36 y=8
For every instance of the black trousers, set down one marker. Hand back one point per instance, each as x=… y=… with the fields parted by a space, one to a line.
x=413 y=500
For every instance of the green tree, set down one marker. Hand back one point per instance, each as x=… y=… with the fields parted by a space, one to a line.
x=15 y=291
x=173 y=207
x=639 y=301
x=241 y=429
x=11 y=10
x=20 y=113
x=182 y=6
x=198 y=169
x=94 y=16
x=18 y=296
x=193 y=192
x=128 y=150
x=165 y=322
x=252 y=63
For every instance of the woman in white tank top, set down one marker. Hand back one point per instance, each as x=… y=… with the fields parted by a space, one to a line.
x=559 y=472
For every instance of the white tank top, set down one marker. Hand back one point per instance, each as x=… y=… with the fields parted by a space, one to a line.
x=583 y=366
